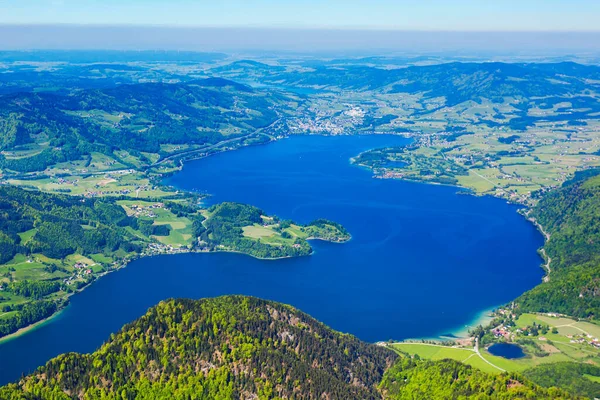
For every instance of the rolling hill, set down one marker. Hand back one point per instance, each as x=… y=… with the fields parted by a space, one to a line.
x=241 y=347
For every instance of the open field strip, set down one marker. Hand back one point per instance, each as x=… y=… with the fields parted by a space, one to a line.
x=438 y=352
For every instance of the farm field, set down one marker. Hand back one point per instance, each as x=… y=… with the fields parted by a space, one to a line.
x=116 y=183
x=438 y=352
x=565 y=344
x=180 y=231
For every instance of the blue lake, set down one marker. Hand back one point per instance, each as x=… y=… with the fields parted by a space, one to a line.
x=423 y=261
x=506 y=350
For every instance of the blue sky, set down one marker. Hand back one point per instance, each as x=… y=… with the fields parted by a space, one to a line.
x=456 y=15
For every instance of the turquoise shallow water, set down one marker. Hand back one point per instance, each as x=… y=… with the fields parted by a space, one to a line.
x=423 y=261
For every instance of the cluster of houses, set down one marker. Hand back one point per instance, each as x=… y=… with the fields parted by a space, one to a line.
x=154 y=249
x=96 y=193
x=585 y=339
x=146 y=211
x=509 y=332
x=315 y=126
x=63 y=181
x=355 y=112
x=502 y=332
x=81 y=270
x=83 y=267
x=388 y=174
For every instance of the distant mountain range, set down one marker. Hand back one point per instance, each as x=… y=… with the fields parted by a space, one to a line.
x=136 y=118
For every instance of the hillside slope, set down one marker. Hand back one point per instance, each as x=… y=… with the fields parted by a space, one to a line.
x=241 y=347
x=41 y=129
x=571 y=214
x=449 y=379
x=228 y=347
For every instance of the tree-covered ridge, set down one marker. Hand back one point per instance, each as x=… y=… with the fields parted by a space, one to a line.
x=137 y=118
x=401 y=162
x=571 y=215
x=568 y=376
x=412 y=378
x=229 y=347
x=36 y=225
x=62 y=224
x=247 y=229
x=456 y=81
x=54 y=244
x=235 y=347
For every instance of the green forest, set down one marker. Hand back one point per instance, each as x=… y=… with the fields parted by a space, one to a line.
x=63 y=224
x=223 y=230
x=571 y=215
x=568 y=376
x=52 y=245
x=74 y=128
x=135 y=118
x=412 y=378
x=53 y=227
x=242 y=347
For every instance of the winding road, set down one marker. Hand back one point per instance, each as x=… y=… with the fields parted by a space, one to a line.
x=475 y=350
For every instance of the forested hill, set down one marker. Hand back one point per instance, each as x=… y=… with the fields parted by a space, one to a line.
x=228 y=347
x=139 y=118
x=571 y=214
x=237 y=347
x=457 y=81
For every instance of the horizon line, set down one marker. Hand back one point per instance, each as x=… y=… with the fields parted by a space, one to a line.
x=289 y=28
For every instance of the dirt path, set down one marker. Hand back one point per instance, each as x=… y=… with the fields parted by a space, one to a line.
x=475 y=351
x=484 y=178
x=547 y=266
x=479 y=354
x=572 y=325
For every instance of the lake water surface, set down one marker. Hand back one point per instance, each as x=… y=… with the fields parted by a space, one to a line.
x=506 y=350
x=423 y=261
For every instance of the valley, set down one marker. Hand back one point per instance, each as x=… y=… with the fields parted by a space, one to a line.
x=108 y=169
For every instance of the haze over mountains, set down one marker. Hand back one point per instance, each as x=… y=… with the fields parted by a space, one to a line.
x=290 y=40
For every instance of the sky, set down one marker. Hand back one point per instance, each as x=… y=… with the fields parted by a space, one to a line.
x=427 y=15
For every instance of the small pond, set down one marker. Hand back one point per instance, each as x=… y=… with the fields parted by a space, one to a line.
x=506 y=350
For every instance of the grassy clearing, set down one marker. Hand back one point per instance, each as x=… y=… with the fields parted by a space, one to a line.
x=432 y=352
x=542 y=156
x=592 y=378
x=525 y=362
x=565 y=326
x=569 y=343
x=180 y=227
x=116 y=183
x=565 y=340
x=26 y=236
x=258 y=232
x=272 y=234
x=476 y=182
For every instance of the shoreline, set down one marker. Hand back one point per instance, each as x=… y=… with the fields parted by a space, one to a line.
x=272 y=258
x=38 y=324
x=458 y=333
x=30 y=328
x=481 y=318
x=484 y=317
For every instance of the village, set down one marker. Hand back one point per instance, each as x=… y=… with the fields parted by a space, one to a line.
x=548 y=327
